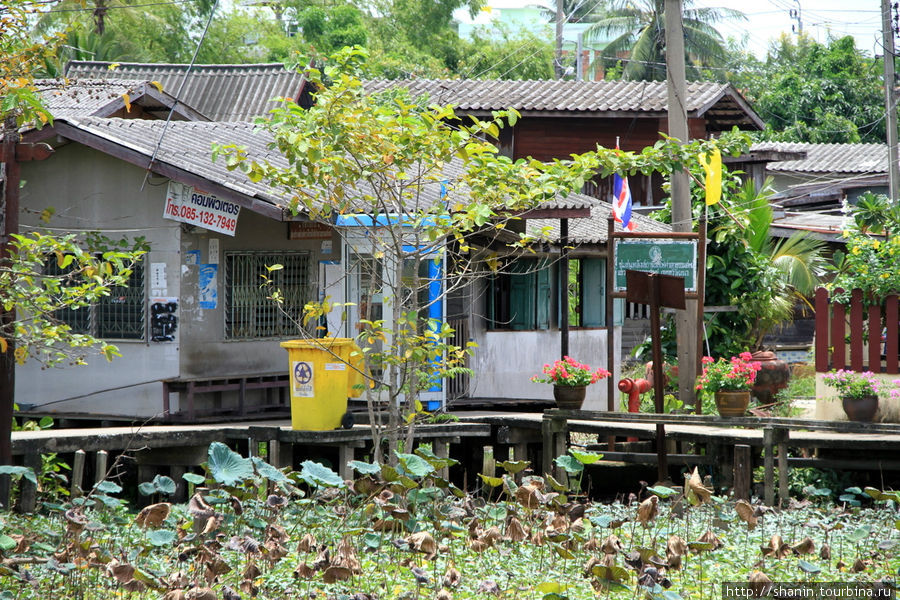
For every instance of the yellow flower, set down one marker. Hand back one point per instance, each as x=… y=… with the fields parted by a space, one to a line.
x=855 y=250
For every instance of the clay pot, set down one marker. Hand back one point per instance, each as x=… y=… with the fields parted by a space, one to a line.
x=772 y=377
x=569 y=397
x=860 y=409
x=732 y=404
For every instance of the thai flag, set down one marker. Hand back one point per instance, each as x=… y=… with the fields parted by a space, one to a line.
x=622 y=202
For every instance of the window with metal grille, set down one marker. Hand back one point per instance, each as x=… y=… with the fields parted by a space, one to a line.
x=120 y=315
x=249 y=310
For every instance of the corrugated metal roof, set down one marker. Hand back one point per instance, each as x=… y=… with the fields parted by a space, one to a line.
x=221 y=92
x=66 y=98
x=828 y=158
x=187 y=146
x=556 y=96
x=241 y=92
x=593 y=230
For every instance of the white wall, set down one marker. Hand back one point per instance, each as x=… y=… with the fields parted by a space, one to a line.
x=90 y=191
x=505 y=361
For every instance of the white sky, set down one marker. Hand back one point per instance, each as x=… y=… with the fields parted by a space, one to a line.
x=766 y=19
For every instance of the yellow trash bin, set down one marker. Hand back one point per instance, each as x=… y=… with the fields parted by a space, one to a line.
x=323 y=375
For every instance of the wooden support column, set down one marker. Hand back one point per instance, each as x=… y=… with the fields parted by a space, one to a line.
x=76 y=485
x=442 y=450
x=769 y=461
x=275 y=458
x=488 y=464
x=100 y=466
x=346 y=453
x=783 y=469
x=743 y=472
x=28 y=490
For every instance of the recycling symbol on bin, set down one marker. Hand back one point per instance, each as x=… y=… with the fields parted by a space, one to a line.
x=302 y=373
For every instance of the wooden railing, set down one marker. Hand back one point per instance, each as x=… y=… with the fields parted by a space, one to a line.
x=872 y=332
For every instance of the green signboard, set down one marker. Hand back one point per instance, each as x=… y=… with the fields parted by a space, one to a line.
x=669 y=257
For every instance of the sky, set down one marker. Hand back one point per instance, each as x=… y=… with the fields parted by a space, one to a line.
x=767 y=19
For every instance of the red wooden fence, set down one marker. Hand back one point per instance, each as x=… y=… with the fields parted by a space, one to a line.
x=833 y=326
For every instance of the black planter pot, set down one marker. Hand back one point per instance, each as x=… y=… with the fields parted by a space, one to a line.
x=860 y=409
x=569 y=397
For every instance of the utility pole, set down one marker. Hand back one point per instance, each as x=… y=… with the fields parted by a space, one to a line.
x=557 y=61
x=682 y=216
x=890 y=103
x=797 y=15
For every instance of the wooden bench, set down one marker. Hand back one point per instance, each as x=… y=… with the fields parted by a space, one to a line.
x=191 y=386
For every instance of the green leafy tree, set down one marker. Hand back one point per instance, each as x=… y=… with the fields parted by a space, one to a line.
x=820 y=93
x=507 y=55
x=638 y=30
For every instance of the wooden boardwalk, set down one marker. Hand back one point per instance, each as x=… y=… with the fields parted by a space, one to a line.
x=688 y=440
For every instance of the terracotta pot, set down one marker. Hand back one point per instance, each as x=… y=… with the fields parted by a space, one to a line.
x=860 y=409
x=772 y=377
x=732 y=404
x=569 y=397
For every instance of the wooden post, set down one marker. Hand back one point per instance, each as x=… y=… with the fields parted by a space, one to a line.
x=275 y=454
x=346 y=453
x=564 y=286
x=100 y=466
x=76 y=488
x=783 y=469
x=769 y=449
x=177 y=473
x=28 y=490
x=743 y=472
x=442 y=450
x=488 y=464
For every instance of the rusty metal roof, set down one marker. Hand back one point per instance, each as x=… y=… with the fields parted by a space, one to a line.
x=828 y=158
x=221 y=92
x=103 y=98
x=720 y=103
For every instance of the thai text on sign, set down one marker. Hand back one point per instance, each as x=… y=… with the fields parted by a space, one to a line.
x=667 y=257
x=196 y=207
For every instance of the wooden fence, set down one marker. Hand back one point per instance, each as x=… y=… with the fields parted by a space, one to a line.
x=872 y=332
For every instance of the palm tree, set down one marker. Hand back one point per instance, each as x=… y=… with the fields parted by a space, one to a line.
x=797 y=261
x=574 y=11
x=638 y=31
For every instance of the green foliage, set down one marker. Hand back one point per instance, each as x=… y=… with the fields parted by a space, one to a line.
x=812 y=92
x=870 y=262
x=505 y=54
x=87 y=269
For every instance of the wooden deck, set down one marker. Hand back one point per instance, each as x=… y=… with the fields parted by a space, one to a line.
x=687 y=440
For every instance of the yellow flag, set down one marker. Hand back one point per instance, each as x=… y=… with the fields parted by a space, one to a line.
x=712 y=164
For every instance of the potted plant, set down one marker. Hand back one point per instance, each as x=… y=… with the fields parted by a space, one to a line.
x=730 y=381
x=570 y=379
x=858 y=393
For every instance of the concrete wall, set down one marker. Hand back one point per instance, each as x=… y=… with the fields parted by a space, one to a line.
x=828 y=405
x=505 y=361
x=92 y=191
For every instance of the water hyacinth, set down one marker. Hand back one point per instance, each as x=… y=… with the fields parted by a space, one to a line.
x=570 y=372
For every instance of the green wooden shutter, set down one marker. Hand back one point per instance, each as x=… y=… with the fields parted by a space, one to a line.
x=544 y=291
x=593 y=296
x=521 y=294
